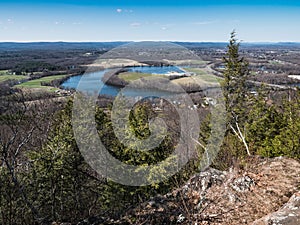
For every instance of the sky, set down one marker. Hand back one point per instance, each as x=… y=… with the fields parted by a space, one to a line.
x=156 y=20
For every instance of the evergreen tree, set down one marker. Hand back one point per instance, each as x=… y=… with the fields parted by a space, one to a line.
x=287 y=139
x=63 y=185
x=235 y=90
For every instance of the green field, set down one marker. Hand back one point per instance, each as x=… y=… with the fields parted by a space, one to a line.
x=11 y=77
x=198 y=71
x=204 y=75
x=130 y=76
x=3 y=72
x=276 y=62
x=188 y=62
x=37 y=83
x=4 y=76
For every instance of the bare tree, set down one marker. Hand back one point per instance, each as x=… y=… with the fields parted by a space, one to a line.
x=24 y=125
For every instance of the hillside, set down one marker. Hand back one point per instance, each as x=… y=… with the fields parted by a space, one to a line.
x=238 y=196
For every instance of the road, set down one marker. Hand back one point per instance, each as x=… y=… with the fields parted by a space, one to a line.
x=209 y=69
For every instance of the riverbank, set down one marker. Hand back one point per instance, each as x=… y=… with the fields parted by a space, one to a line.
x=162 y=79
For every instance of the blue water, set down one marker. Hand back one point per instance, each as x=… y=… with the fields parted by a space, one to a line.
x=92 y=82
x=155 y=69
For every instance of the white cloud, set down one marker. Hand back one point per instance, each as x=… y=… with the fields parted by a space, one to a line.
x=164 y=28
x=124 y=10
x=10 y=21
x=135 y=24
x=59 y=23
x=76 y=23
x=205 y=22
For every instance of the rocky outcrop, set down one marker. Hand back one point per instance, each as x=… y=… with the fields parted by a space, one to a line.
x=289 y=214
x=238 y=196
x=260 y=192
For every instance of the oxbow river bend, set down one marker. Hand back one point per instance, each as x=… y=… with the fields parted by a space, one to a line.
x=91 y=82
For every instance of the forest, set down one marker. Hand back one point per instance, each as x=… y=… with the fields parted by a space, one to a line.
x=44 y=178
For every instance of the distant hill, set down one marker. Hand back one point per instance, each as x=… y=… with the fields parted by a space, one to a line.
x=16 y=46
x=58 y=45
x=220 y=45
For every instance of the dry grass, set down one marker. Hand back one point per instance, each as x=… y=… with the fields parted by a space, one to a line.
x=130 y=76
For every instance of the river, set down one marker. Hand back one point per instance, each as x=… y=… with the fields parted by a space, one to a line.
x=91 y=82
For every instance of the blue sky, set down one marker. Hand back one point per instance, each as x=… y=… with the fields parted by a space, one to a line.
x=176 y=20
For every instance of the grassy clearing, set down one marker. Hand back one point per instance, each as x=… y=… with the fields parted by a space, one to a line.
x=198 y=71
x=37 y=84
x=188 y=62
x=276 y=62
x=130 y=76
x=5 y=77
x=113 y=63
x=202 y=74
x=195 y=81
x=189 y=81
x=3 y=72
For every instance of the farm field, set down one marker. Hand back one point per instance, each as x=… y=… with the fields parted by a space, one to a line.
x=37 y=84
x=130 y=76
x=11 y=77
x=4 y=76
x=202 y=74
x=188 y=62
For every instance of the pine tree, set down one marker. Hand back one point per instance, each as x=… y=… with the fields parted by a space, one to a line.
x=62 y=183
x=235 y=89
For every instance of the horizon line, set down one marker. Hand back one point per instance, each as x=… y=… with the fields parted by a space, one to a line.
x=126 y=41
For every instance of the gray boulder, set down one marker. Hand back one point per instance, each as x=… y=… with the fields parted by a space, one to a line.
x=289 y=214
